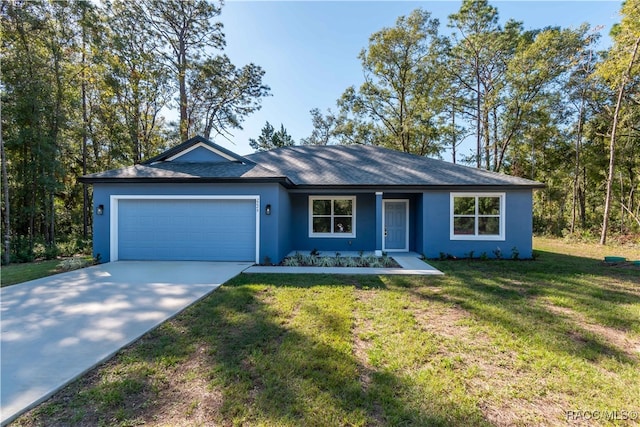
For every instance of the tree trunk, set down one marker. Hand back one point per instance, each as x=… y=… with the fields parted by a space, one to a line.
x=453 y=134
x=85 y=121
x=6 y=254
x=576 y=171
x=612 y=145
x=182 y=81
x=487 y=139
x=478 y=126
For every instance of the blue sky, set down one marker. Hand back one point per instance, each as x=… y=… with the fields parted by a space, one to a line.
x=309 y=50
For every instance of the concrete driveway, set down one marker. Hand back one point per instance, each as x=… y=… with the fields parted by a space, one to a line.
x=56 y=328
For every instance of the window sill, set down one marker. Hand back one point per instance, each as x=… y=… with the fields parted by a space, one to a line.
x=477 y=238
x=332 y=235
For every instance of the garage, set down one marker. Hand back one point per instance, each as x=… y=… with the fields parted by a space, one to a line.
x=204 y=228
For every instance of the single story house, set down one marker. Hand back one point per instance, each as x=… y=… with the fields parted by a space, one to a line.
x=200 y=201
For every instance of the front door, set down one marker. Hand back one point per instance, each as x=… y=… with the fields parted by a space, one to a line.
x=395 y=225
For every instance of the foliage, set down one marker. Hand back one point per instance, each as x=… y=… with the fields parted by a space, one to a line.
x=539 y=104
x=270 y=139
x=84 y=87
x=299 y=260
x=399 y=100
x=223 y=95
x=621 y=71
x=85 y=83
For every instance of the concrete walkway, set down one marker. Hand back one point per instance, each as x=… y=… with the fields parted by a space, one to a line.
x=56 y=328
x=410 y=262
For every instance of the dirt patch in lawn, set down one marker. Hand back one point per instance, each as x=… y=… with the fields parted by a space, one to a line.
x=625 y=343
x=492 y=373
x=362 y=327
x=186 y=397
x=177 y=396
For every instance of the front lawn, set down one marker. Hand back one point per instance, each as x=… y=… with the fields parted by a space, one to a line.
x=489 y=343
x=18 y=273
x=22 y=272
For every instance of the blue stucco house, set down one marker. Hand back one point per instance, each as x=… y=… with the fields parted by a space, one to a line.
x=200 y=201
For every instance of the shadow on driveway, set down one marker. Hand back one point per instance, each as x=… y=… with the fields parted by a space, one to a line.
x=56 y=328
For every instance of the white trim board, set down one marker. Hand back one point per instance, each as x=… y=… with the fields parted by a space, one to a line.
x=113 y=215
x=203 y=145
x=332 y=235
x=476 y=236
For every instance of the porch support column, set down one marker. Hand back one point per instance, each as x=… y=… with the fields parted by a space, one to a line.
x=379 y=223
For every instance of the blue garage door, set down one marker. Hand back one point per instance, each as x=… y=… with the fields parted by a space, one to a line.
x=198 y=230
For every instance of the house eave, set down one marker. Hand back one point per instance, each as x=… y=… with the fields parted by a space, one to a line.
x=197 y=180
x=416 y=188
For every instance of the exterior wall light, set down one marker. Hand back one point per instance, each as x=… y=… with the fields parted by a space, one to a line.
x=267 y=209
x=100 y=209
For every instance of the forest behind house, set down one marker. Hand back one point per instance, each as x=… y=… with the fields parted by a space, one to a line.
x=86 y=86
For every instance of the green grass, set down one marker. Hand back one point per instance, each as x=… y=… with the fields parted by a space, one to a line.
x=17 y=273
x=490 y=343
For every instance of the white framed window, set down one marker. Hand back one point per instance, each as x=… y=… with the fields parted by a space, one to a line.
x=332 y=216
x=477 y=216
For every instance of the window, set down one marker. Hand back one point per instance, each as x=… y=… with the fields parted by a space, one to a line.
x=332 y=216
x=477 y=216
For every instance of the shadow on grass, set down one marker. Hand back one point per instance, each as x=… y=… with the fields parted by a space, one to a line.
x=268 y=371
x=517 y=296
x=272 y=372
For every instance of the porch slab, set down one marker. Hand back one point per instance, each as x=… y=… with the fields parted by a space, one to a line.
x=410 y=262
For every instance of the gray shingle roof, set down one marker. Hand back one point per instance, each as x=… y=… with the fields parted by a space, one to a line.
x=186 y=171
x=336 y=165
x=343 y=165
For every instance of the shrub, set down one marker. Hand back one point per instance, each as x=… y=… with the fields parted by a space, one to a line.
x=309 y=260
x=387 y=261
x=350 y=262
x=326 y=262
x=74 y=263
x=291 y=262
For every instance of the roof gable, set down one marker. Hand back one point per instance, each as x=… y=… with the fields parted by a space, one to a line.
x=197 y=149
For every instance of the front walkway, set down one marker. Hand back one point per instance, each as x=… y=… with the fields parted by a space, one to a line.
x=410 y=263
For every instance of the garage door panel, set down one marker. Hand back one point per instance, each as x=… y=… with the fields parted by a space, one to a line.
x=179 y=229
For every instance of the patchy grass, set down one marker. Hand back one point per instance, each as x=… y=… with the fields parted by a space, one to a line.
x=17 y=273
x=490 y=343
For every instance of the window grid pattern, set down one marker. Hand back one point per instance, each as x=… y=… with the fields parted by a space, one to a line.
x=477 y=216
x=332 y=216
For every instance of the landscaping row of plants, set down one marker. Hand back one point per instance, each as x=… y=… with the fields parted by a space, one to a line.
x=315 y=260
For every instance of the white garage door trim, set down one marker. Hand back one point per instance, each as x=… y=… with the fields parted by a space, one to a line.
x=113 y=219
